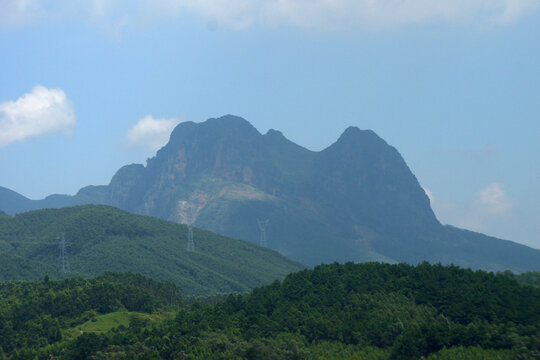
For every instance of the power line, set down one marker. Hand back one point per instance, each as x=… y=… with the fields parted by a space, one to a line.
x=29 y=240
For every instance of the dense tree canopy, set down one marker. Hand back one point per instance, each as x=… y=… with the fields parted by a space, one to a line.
x=337 y=311
x=33 y=314
x=530 y=278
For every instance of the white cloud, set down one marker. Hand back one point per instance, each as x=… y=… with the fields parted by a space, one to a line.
x=19 y=12
x=493 y=200
x=38 y=112
x=149 y=133
x=515 y=9
x=317 y=14
x=429 y=194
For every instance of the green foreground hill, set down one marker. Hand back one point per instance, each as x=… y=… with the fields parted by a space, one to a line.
x=103 y=238
x=350 y=311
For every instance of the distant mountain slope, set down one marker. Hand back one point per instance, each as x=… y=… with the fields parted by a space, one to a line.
x=14 y=203
x=355 y=200
x=102 y=238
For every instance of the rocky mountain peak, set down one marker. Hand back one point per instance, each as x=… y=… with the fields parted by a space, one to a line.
x=355 y=200
x=354 y=138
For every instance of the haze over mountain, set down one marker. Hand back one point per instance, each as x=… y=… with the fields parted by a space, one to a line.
x=355 y=200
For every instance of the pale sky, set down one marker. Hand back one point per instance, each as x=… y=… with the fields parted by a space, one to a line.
x=89 y=86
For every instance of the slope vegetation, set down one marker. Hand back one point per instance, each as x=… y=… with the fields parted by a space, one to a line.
x=101 y=238
x=37 y=314
x=365 y=311
x=350 y=311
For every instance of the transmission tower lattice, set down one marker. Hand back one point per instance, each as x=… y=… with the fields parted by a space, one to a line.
x=64 y=264
x=189 y=219
x=262 y=227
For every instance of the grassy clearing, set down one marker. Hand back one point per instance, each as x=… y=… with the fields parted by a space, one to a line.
x=104 y=323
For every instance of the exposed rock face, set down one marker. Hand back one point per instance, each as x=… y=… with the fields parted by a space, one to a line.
x=355 y=200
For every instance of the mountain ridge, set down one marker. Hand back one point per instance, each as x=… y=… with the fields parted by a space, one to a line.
x=355 y=200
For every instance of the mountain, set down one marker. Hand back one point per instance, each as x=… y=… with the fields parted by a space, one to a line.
x=102 y=238
x=355 y=200
x=14 y=203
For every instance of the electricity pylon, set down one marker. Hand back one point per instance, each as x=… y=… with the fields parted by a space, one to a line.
x=262 y=227
x=189 y=222
x=64 y=264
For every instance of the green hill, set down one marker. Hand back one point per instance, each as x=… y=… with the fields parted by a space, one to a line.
x=35 y=314
x=102 y=238
x=14 y=267
x=350 y=311
x=529 y=278
x=361 y=311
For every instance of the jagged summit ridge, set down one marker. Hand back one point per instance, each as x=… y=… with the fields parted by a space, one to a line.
x=355 y=200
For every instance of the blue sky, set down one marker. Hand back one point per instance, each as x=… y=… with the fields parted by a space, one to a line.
x=89 y=86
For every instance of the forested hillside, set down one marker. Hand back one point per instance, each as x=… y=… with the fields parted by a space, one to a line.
x=35 y=315
x=350 y=311
x=103 y=238
x=530 y=278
